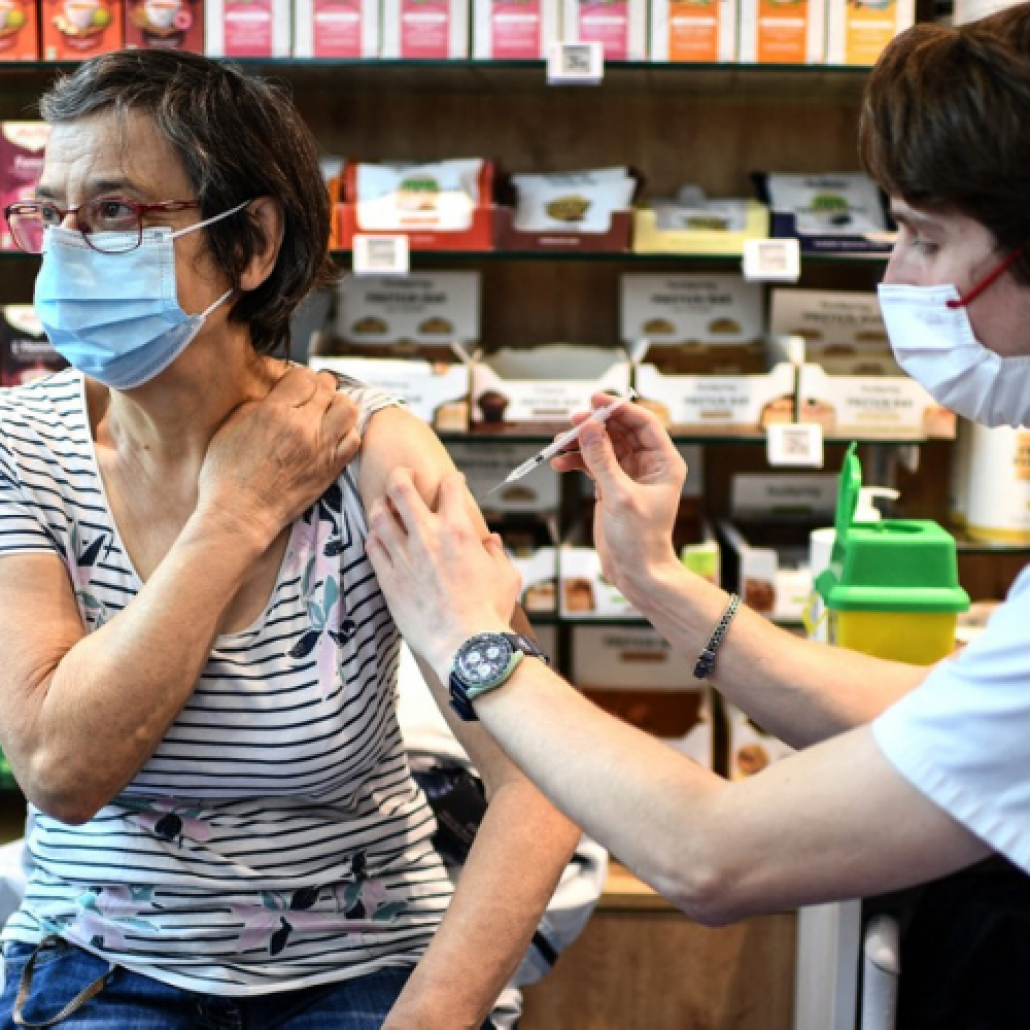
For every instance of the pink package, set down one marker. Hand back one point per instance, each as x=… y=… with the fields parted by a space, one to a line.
x=425 y=29
x=620 y=26
x=336 y=28
x=607 y=24
x=21 y=160
x=514 y=30
x=247 y=28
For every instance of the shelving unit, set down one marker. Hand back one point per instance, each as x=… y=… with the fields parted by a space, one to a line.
x=707 y=124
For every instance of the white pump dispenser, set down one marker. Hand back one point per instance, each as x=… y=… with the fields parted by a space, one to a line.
x=866 y=510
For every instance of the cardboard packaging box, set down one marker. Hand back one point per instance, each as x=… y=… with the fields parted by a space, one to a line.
x=248 y=28
x=514 y=30
x=843 y=330
x=849 y=382
x=694 y=31
x=19 y=30
x=25 y=352
x=549 y=641
x=886 y=407
x=772 y=32
x=661 y=228
x=486 y=465
x=585 y=591
x=425 y=205
x=336 y=28
x=73 y=30
x=965 y=11
x=408 y=336
x=618 y=238
x=586 y=211
x=620 y=26
x=426 y=29
x=634 y=674
x=829 y=213
x=531 y=543
x=165 y=25
x=701 y=361
x=543 y=386
x=22 y=147
x=749 y=748
x=856 y=34
x=523 y=512
x=766 y=556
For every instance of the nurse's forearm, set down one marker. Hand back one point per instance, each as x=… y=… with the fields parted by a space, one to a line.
x=796 y=689
x=654 y=809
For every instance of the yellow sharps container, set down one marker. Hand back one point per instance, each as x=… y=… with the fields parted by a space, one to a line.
x=891 y=588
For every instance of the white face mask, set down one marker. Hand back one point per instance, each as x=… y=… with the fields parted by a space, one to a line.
x=933 y=341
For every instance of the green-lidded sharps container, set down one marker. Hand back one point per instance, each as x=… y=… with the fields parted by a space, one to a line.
x=891 y=588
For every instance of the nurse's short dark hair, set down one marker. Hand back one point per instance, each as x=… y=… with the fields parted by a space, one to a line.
x=945 y=123
x=239 y=138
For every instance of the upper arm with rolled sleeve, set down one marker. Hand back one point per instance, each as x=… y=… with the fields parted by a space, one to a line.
x=962 y=737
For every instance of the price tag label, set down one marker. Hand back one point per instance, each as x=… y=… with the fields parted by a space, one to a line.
x=795 y=444
x=381 y=255
x=575 y=64
x=772 y=260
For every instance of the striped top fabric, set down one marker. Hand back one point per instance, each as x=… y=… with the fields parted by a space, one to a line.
x=275 y=839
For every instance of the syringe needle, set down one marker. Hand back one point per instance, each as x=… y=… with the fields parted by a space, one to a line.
x=562 y=441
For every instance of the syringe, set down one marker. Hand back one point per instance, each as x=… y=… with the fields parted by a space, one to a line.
x=561 y=442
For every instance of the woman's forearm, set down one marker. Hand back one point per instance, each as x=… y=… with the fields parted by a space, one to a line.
x=797 y=689
x=521 y=848
x=110 y=699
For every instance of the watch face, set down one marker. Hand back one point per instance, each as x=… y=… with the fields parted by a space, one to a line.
x=482 y=659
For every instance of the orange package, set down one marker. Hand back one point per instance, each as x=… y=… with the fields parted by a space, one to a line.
x=19 y=39
x=76 y=29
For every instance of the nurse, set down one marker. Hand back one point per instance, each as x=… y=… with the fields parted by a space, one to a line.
x=904 y=774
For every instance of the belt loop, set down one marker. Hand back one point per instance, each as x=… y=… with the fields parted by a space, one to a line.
x=89 y=991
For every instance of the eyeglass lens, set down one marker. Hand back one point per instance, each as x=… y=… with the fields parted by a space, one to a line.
x=109 y=225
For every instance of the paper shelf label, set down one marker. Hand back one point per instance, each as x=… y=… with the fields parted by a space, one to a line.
x=381 y=255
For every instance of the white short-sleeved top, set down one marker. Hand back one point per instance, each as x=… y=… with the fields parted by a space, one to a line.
x=963 y=736
x=275 y=839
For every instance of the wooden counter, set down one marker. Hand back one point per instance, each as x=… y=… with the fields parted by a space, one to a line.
x=640 y=964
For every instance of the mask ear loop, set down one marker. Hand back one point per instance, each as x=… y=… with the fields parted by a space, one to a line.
x=975 y=292
x=221 y=300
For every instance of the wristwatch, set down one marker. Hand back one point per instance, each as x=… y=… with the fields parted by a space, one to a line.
x=483 y=663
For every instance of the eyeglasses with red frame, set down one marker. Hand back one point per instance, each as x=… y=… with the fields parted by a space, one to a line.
x=111 y=225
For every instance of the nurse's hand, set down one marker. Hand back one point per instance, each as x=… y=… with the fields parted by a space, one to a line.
x=273 y=458
x=443 y=578
x=638 y=476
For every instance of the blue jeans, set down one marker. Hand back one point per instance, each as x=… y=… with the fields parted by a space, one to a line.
x=129 y=1001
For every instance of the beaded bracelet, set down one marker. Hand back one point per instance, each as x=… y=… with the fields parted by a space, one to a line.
x=706 y=659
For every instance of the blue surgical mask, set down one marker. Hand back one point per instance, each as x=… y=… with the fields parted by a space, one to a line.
x=116 y=317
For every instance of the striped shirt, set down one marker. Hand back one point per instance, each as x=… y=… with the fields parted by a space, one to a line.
x=275 y=839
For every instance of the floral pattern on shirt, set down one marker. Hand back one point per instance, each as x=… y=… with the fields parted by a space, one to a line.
x=321 y=536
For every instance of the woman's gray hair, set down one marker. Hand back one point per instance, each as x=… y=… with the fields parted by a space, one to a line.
x=239 y=138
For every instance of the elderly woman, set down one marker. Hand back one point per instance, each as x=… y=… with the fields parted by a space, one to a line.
x=197 y=692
